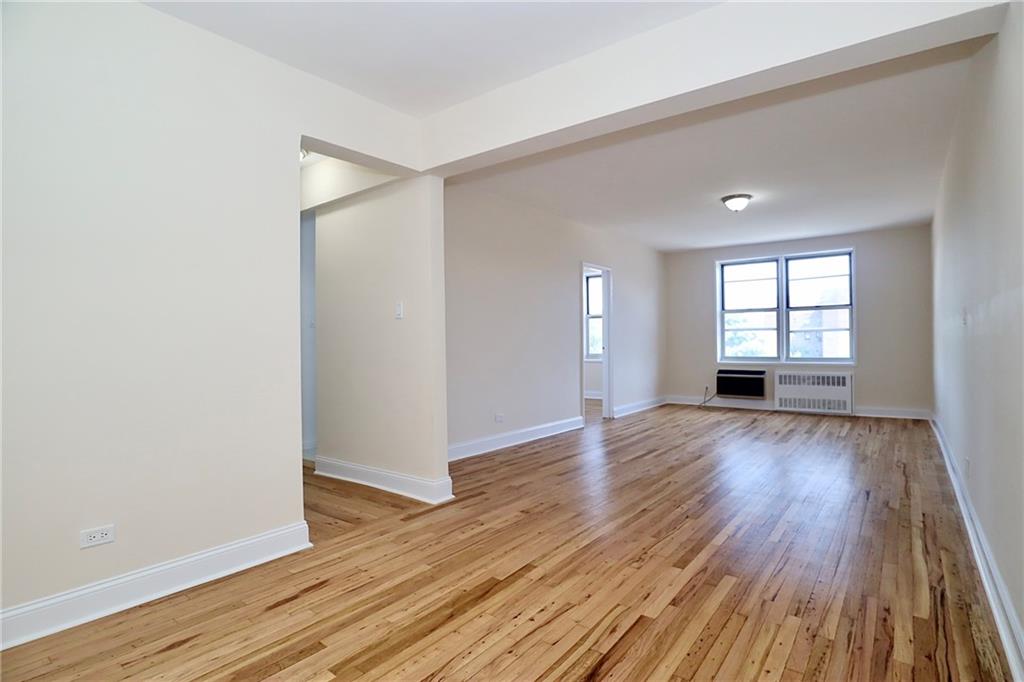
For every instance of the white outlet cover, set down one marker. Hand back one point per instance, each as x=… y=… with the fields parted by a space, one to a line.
x=100 y=535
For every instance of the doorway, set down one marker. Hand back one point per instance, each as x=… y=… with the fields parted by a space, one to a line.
x=307 y=299
x=596 y=394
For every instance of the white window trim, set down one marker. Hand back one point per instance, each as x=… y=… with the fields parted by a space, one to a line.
x=782 y=326
x=587 y=317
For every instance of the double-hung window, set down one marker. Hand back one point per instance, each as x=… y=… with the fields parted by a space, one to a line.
x=819 y=307
x=796 y=308
x=750 y=310
x=594 y=317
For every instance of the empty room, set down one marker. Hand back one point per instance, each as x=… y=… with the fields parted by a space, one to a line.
x=512 y=341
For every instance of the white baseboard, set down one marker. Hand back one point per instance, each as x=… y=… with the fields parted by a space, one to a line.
x=740 y=403
x=1007 y=621
x=593 y=395
x=893 y=413
x=45 y=616
x=507 y=439
x=630 y=408
x=433 y=491
x=755 y=404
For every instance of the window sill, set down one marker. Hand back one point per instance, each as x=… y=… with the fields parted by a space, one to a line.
x=593 y=359
x=790 y=363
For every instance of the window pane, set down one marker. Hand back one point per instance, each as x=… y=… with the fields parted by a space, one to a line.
x=747 y=271
x=594 y=292
x=758 y=293
x=821 y=266
x=819 y=291
x=819 y=319
x=833 y=345
x=750 y=344
x=750 y=320
x=594 y=340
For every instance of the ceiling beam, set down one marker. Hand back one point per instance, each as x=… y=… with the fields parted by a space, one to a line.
x=724 y=53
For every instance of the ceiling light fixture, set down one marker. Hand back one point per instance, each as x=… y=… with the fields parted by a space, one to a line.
x=736 y=202
x=303 y=154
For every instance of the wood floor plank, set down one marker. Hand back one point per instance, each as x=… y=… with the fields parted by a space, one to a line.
x=678 y=543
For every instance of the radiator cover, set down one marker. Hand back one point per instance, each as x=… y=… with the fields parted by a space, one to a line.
x=823 y=392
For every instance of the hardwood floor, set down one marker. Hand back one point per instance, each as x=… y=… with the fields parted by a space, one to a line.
x=674 y=544
x=591 y=411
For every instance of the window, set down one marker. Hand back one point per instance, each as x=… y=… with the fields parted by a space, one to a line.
x=750 y=310
x=815 y=295
x=819 y=306
x=594 y=321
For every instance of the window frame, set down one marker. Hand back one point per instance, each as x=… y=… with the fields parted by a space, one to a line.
x=783 y=309
x=587 y=316
x=722 y=357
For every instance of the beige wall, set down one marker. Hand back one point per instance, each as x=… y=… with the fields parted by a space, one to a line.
x=979 y=268
x=514 y=314
x=892 y=296
x=381 y=380
x=151 y=286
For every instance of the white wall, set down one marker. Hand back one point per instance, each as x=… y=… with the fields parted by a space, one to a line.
x=593 y=378
x=979 y=268
x=892 y=295
x=151 y=286
x=381 y=380
x=514 y=314
x=307 y=296
x=331 y=179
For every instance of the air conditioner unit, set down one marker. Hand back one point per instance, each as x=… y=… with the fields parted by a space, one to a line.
x=825 y=392
x=740 y=383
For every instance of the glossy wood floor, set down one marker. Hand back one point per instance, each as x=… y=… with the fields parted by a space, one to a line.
x=674 y=544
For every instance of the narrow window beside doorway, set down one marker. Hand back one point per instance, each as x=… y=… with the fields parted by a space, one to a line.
x=594 y=341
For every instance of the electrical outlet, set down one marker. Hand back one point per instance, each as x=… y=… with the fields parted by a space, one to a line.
x=499 y=417
x=96 y=536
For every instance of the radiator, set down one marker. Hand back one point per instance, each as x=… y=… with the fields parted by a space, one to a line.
x=828 y=392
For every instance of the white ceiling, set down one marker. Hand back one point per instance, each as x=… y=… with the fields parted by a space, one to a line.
x=856 y=151
x=420 y=58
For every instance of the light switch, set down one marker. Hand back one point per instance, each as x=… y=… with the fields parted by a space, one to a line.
x=400 y=310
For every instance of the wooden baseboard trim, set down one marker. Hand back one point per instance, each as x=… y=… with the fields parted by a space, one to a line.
x=48 y=615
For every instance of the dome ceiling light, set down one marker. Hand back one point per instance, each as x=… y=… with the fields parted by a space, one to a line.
x=736 y=202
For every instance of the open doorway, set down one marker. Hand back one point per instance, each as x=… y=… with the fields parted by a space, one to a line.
x=307 y=299
x=597 y=389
